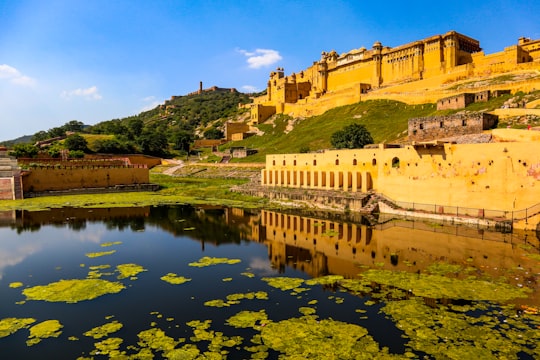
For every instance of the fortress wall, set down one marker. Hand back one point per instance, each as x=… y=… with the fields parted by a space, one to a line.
x=349 y=75
x=6 y=188
x=440 y=127
x=234 y=128
x=312 y=107
x=50 y=179
x=496 y=176
x=425 y=64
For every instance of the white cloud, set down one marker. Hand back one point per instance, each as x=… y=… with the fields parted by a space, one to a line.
x=14 y=76
x=90 y=93
x=250 y=88
x=152 y=103
x=261 y=57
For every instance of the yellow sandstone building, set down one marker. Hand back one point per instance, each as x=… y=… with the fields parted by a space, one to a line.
x=342 y=79
x=499 y=179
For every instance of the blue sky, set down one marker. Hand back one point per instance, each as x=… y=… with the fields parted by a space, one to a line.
x=96 y=60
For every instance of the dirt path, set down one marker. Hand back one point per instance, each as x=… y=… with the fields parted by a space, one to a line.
x=177 y=165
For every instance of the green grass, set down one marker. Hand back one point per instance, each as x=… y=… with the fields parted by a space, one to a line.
x=386 y=120
x=174 y=190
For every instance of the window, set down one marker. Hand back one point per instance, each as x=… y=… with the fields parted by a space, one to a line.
x=354 y=162
x=441 y=124
x=463 y=122
x=395 y=162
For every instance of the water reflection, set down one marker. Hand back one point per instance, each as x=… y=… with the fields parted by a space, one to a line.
x=309 y=245
x=313 y=244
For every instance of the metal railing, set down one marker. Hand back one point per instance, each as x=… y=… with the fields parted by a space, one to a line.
x=461 y=211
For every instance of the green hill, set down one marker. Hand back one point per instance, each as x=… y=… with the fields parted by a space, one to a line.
x=170 y=129
x=386 y=120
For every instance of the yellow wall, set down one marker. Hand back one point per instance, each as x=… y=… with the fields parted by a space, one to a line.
x=50 y=179
x=426 y=64
x=501 y=176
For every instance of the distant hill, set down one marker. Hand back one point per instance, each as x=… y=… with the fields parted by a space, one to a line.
x=20 y=140
x=186 y=112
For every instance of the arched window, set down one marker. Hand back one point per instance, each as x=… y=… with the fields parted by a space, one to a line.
x=337 y=161
x=314 y=162
x=354 y=162
x=374 y=162
x=395 y=162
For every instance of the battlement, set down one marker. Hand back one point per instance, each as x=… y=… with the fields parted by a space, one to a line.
x=439 y=58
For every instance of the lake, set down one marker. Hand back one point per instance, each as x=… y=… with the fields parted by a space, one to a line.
x=185 y=282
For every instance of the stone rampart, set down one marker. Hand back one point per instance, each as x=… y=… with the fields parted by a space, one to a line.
x=440 y=127
x=425 y=64
x=65 y=178
x=501 y=176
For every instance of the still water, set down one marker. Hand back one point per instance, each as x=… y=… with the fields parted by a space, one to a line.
x=262 y=284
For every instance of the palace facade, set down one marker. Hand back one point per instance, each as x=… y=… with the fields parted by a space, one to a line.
x=503 y=176
x=342 y=79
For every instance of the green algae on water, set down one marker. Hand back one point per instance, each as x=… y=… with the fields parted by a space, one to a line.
x=129 y=271
x=104 y=330
x=248 y=319
x=99 y=254
x=156 y=339
x=44 y=330
x=9 y=326
x=109 y=347
x=209 y=261
x=325 y=280
x=440 y=333
x=72 y=291
x=437 y=287
x=111 y=243
x=16 y=284
x=233 y=299
x=310 y=338
x=283 y=283
x=174 y=279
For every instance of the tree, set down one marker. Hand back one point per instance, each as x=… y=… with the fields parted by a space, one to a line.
x=112 y=146
x=153 y=143
x=213 y=134
x=76 y=142
x=135 y=128
x=354 y=136
x=40 y=136
x=182 y=140
x=74 y=126
x=24 y=150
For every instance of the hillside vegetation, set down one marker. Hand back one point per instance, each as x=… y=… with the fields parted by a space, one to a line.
x=386 y=121
x=170 y=129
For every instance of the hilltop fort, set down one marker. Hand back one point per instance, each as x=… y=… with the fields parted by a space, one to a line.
x=416 y=72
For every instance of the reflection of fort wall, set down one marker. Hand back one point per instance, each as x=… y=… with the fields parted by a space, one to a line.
x=329 y=247
x=28 y=219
